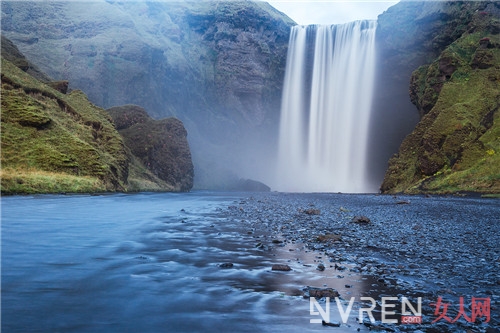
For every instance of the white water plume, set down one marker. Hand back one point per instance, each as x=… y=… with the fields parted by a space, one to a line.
x=326 y=108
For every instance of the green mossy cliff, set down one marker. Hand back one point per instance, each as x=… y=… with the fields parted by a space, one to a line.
x=456 y=145
x=53 y=142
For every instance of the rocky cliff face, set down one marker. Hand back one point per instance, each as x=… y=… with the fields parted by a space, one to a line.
x=160 y=145
x=216 y=65
x=455 y=145
x=409 y=34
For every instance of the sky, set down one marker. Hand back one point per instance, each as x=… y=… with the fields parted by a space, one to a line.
x=331 y=11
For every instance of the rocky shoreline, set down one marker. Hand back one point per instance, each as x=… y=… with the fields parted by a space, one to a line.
x=417 y=246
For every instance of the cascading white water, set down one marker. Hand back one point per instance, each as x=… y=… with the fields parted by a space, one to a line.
x=326 y=107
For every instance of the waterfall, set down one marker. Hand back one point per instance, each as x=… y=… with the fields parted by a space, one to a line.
x=326 y=107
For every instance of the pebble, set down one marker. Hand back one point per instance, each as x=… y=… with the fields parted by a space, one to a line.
x=280 y=267
x=447 y=244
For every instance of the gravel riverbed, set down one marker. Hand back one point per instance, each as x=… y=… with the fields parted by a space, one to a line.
x=421 y=246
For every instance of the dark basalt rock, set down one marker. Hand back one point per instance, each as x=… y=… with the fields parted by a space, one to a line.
x=161 y=145
x=283 y=268
x=360 y=220
x=321 y=292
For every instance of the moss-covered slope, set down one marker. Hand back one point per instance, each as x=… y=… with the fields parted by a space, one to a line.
x=53 y=142
x=456 y=145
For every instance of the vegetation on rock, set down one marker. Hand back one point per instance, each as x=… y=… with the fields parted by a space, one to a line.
x=54 y=142
x=455 y=147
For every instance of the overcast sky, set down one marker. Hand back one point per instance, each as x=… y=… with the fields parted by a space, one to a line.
x=331 y=11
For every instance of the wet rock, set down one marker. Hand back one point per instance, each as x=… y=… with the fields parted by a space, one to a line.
x=360 y=220
x=328 y=238
x=321 y=292
x=261 y=246
x=332 y=324
x=312 y=211
x=279 y=267
x=226 y=265
x=320 y=267
x=340 y=268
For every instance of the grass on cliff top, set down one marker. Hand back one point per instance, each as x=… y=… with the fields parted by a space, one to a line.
x=68 y=141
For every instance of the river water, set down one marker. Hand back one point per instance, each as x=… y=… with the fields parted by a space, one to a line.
x=140 y=263
x=151 y=262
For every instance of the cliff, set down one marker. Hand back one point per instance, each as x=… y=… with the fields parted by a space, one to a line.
x=160 y=146
x=215 y=65
x=55 y=142
x=455 y=145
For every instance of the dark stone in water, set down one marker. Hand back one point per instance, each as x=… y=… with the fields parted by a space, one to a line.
x=226 y=265
x=321 y=292
x=332 y=324
x=321 y=267
x=360 y=219
x=312 y=211
x=283 y=268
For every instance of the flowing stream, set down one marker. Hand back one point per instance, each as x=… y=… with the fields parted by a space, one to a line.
x=326 y=108
x=148 y=263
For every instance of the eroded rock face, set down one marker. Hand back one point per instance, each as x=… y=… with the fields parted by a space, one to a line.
x=161 y=145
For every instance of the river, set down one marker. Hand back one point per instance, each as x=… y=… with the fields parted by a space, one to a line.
x=154 y=262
